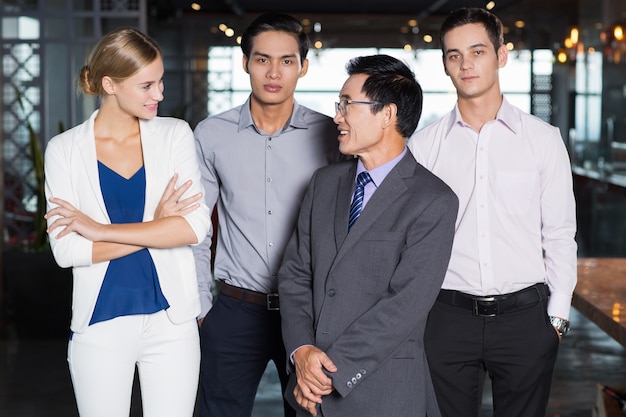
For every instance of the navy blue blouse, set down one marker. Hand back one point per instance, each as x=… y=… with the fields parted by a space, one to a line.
x=131 y=283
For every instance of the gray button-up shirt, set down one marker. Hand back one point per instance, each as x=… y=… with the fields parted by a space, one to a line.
x=258 y=182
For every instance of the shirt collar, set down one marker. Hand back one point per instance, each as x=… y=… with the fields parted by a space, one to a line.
x=379 y=173
x=296 y=121
x=245 y=116
x=506 y=115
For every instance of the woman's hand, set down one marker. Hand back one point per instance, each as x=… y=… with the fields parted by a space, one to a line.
x=152 y=234
x=73 y=220
x=171 y=204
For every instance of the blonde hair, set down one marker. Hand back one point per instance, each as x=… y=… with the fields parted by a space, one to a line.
x=119 y=55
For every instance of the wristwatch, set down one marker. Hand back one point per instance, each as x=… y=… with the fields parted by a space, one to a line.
x=561 y=325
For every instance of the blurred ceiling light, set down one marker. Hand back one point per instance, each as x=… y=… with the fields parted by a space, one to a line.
x=490 y=5
x=196 y=7
x=519 y=24
x=574 y=35
x=428 y=38
x=229 y=32
x=618 y=33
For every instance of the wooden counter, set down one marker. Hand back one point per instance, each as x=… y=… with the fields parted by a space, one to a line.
x=600 y=294
x=615 y=178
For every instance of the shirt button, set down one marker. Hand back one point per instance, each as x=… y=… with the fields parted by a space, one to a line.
x=271 y=244
x=269 y=147
x=269 y=179
x=269 y=212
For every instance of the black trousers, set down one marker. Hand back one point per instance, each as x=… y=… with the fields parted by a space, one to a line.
x=516 y=349
x=238 y=340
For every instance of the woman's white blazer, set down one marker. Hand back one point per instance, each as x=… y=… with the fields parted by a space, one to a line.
x=71 y=173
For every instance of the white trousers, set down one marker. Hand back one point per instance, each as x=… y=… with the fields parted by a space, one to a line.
x=102 y=365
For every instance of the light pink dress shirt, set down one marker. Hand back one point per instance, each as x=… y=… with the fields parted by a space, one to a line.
x=517 y=219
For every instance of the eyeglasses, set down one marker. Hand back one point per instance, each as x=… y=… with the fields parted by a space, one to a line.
x=342 y=106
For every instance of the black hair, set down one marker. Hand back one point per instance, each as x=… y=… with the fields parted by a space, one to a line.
x=468 y=15
x=278 y=22
x=391 y=81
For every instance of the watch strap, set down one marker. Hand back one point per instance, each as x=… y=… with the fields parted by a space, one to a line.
x=562 y=325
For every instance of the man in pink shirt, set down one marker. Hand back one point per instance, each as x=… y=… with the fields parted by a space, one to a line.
x=506 y=296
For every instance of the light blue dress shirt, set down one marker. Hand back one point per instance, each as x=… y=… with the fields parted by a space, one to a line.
x=258 y=181
x=378 y=174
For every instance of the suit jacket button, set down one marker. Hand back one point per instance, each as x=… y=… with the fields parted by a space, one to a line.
x=349 y=384
x=353 y=380
x=331 y=293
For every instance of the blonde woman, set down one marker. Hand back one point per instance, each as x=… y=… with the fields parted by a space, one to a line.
x=124 y=207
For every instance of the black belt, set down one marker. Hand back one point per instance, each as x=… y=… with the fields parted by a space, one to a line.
x=493 y=305
x=258 y=298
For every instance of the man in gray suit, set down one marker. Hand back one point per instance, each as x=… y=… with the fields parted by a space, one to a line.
x=361 y=272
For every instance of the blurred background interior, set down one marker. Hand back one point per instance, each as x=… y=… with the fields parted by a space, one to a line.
x=567 y=65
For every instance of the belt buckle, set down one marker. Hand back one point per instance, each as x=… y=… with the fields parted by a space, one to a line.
x=485 y=306
x=272 y=302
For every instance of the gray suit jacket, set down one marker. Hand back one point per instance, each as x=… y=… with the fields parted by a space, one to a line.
x=363 y=297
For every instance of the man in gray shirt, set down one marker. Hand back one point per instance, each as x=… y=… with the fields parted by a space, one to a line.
x=256 y=162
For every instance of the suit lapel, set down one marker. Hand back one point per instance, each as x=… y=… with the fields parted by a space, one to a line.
x=89 y=157
x=345 y=188
x=391 y=189
x=151 y=161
